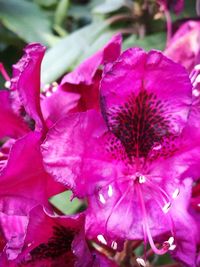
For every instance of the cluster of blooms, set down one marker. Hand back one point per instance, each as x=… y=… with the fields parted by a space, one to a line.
x=122 y=131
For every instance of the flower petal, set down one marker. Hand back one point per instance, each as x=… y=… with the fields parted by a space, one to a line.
x=26 y=80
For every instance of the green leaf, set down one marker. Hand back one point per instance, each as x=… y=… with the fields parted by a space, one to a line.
x=96 y=45
x=63 y=203
x=61 y=12
x=26 y=20
x=153 y=41
x=110 y=6
x=46 y=3
x=66 y=53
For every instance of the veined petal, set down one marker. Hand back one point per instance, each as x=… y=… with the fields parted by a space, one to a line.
x=12 y=125
x=145 y=100
x=73 y=150
x=85 y=79
x=20 y=177
x=26 y=80
x=86 y=71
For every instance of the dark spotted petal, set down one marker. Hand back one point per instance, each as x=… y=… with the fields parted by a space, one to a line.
x=145 y=101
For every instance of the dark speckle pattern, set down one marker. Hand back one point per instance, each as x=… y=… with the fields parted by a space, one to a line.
x=56 y=246
x=139 y=125
x=57 y=249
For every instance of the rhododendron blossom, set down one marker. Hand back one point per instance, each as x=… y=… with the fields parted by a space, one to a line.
x=121 y=133
x=127 y=164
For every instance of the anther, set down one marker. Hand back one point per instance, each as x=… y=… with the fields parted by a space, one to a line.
x=195 y=92
x=141 y=262
x=102 y=199
x=114 y=245
x=48 y=94
x=197 y=67
x=170 y=243
x=110 y=191
x=102 y=239
x=142 y=179
x=166 y=207
x=176 y=193
x=46 y=87
x=7 y=84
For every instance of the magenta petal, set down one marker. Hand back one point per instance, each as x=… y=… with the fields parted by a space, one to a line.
x=23 y=178
x=12 y=125
x=142 y=87
x=58 y=105
x=86 y=71
x=85 y=79
x=186 y=232
x=184 y=45
x=14 y=230
x=50 y=240
x=73 y=152
x=26 y=80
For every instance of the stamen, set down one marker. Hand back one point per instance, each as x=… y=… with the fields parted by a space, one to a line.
x=195 y=92
x=54 y=86
x=170 y=243
x=146 y=229
x=160 y=190
x=114 y=245
x=198 y=205
x=110 y=191
x=176 y=193
x=7 y=84
x=102 y=239
x=166 y=207
x=197 y=80
x=102 y=199
x=142 y=179
x=197 y=67
x=171 y=240
x=157 y=147
x=48 y=94
x=4 y=72
x=141 y=262
x=46 y=87
x=116 y=205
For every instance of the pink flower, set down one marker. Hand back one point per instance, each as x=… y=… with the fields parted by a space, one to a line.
x=52 y=240
x=85 y=79
x=24 y=184
x=24 y=107
x=13 y=125
x=184 y=46
x=129 y=165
